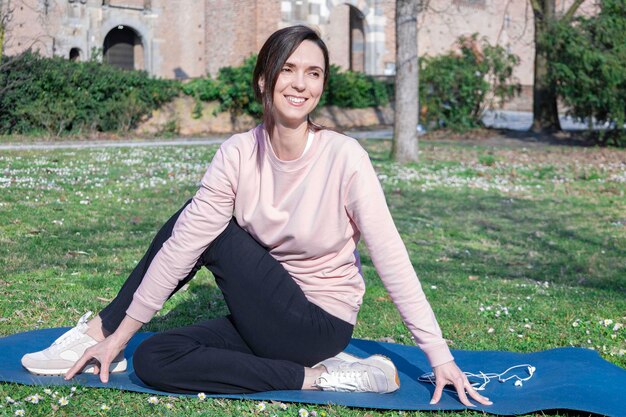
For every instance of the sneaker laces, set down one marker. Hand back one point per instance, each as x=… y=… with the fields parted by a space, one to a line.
x=345 y=379
x=73 y=334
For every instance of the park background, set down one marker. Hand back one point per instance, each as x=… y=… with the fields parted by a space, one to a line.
x=518 y=236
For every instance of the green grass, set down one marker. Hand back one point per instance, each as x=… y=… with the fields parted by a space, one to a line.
x=518 y=249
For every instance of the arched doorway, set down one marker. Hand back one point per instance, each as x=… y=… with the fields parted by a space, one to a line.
x=357 y=40
x=123 y=48
x=74 y=54
x=346 y=37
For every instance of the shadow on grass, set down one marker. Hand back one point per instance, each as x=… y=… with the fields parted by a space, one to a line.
x=569 y=139
x=200 y=302
x=565 y=242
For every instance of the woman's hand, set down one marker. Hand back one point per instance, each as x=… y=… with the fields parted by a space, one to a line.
x=104 y=353
x=450 y=374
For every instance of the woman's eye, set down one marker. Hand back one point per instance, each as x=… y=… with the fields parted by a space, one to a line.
x=315 y=74
x=286 y=69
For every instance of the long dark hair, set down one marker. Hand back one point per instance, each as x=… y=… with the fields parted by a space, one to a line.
x=272 y=57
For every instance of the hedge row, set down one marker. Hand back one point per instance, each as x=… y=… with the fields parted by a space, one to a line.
x=56 y=96
x=233 y=89
x=587 y=66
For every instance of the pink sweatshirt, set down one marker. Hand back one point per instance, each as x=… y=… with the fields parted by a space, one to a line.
x=310 y=214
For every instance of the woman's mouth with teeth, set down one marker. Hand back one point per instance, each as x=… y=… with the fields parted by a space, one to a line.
x=295 y=100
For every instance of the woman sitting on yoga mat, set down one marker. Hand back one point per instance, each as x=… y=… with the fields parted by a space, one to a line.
x=276 y=220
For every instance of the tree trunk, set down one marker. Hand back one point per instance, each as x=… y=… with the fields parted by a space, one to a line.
x=2 y=29
x=405 y=147
x=545 y=110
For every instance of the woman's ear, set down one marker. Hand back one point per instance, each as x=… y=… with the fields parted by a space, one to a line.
x=261 y=84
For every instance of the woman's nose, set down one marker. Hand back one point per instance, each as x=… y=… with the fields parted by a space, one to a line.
x=297 y=82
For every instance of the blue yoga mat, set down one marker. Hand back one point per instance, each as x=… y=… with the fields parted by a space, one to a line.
x=565 y=378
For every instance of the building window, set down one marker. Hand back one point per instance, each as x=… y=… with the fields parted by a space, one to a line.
x=74 y=54
x=471 y=3
x=127 y=4
x=299 y=10
x=123 y=48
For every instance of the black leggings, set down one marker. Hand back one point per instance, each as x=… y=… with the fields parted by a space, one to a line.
x=270 y=335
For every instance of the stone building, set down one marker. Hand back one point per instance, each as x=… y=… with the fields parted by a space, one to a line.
x=191 y=38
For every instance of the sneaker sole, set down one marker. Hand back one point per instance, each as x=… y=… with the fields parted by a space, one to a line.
x=115 y=367
x=380 y=361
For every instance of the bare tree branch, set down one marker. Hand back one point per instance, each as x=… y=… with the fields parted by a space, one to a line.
x=537 y=9
x=572 y=10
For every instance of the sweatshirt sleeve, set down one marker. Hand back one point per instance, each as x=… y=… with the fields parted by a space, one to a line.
x=204 y=218
x=368 y=209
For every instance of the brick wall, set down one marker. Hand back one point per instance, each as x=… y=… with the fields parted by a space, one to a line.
x=231 y=32
x=180 y=38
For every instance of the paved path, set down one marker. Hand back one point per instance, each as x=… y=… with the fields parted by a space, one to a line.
x=113 y=144
x=500 y=119
x=521 y=120
x=211 y=140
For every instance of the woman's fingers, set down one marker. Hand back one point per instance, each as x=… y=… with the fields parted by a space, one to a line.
x=101 y=365
x=476 y=396
x=104 y=371
x=79 y=365
x=437 y=394
x=459 y=385
x=450 y=374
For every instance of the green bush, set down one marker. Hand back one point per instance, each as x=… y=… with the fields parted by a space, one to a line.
x=233 y=89
x=353 y=90
x=57 y=96
x=588 y=68
x=457 y=87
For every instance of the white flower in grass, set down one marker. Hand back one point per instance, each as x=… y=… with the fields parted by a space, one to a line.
x=169 y=406
x=33 y=399
x=606 y=322
x=9 y=400
x=153 y=400
x=303 y=413
x=617 y=326
x=434 y=287
x=105 y=407
x=283 y=406
x=491 y=330
x=201 y=396
x=313 y=413
x=261 y=406
x=20 y=412
x=73 y=389
x=47 y=391
x=63 y=401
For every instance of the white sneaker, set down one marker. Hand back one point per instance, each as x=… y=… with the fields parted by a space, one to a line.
x=65 y=351
x=348 y=373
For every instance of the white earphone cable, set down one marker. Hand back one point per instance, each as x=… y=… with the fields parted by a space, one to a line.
x=480 y=380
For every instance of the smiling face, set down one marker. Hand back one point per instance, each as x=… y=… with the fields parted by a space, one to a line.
x=299 y=86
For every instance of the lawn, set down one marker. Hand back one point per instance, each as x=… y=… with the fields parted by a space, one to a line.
x=518 y=248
